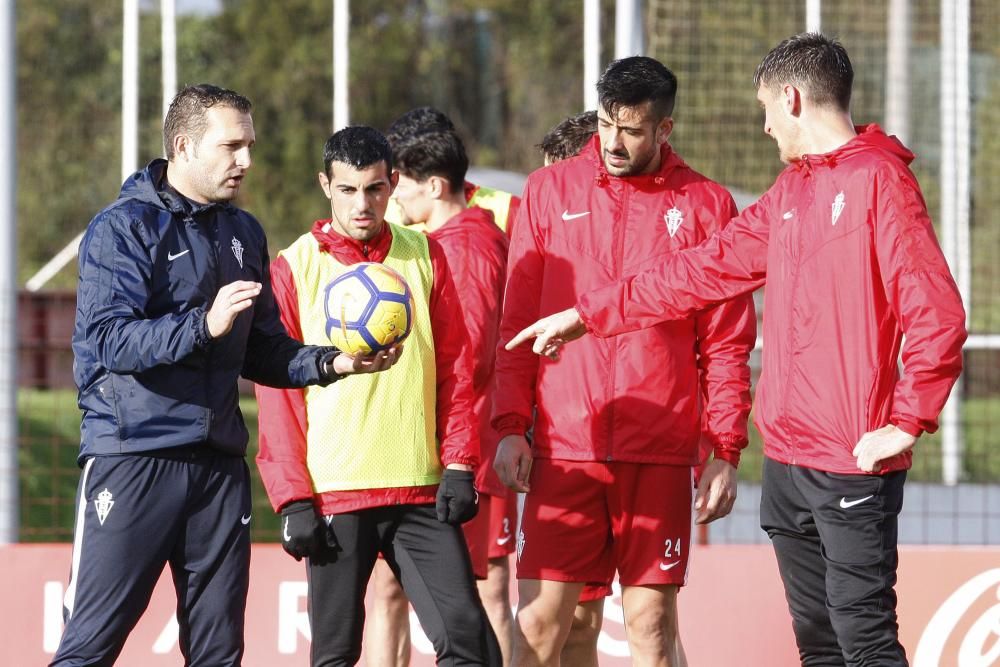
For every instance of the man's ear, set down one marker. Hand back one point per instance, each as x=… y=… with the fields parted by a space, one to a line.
x=664 y=129
x=393 y=181
x=183 y=146
x=439 y=188
x=324 y=183
x=791 y=98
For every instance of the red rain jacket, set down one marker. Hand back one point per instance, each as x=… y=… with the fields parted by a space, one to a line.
x=645 y=396
x=476 y=250
x=851 y=264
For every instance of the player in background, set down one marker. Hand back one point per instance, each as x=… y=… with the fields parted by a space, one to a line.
x=568 y=137
x=846 y=251
x=165 y=324
x=432 y=168
x=502 y=204
x=387 y=635
x=565 y=140
x=381 y=464
x=618 y=424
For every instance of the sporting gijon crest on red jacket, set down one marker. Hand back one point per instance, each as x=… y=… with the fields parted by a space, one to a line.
x=851 y=264
x=639 y=397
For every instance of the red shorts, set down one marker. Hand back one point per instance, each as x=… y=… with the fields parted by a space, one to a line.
x=477 y=536
x=593 y=592
x=584 y=520
x=503 y=523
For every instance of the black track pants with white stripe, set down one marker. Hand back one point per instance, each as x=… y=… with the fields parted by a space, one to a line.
x=134 y=515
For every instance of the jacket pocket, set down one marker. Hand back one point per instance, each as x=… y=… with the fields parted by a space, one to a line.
x=101 y=398
x=162 y=414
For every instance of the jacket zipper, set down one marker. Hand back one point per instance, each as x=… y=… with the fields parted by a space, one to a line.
x=615 y=345
x=809 y=185
x=213 y=238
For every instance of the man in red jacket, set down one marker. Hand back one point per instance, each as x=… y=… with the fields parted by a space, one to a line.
x=432 y=170
x=619 y=424
x=418 y=134
x=851 y=264
x=380 y=465
x=503 y=205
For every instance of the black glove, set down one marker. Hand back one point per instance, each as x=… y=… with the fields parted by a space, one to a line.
x=457 y=499
x=303 y=532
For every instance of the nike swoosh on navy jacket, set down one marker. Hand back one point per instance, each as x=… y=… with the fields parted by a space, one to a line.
x=149 y=376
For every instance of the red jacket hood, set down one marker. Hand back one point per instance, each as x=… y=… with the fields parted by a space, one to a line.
x=869 y=137
x=472 y=215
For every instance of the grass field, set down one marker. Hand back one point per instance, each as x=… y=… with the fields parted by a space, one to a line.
x=49 y=424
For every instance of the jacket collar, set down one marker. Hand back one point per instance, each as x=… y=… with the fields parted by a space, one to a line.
x=473 y=215
x=348 y=251
x=669 y=161
x=150 y=185
x=869 y=137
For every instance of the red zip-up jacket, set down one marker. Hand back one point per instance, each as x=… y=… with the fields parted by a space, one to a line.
x=282 y=412
x=851 y=264
x=477 y=257
x=635 y=398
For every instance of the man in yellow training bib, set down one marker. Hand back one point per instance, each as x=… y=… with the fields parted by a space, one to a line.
x=382 y=465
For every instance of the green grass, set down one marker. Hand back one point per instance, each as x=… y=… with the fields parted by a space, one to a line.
x=49 y=424
x=49 y=438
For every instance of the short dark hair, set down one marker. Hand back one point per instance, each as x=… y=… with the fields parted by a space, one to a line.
x=188 y=112
x=569 y=137
x=632 y=81
x=417 y=121
x=817 y=64
x=359 y=146
x=433 y=153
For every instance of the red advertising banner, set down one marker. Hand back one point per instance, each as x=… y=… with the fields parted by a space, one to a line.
x=732 y=611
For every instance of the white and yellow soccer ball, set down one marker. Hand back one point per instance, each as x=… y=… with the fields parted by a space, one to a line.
x=368 y=308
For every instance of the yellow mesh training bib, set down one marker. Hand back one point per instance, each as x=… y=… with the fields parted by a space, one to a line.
x=374 y=430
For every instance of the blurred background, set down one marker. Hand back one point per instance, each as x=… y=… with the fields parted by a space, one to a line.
x=505 y=71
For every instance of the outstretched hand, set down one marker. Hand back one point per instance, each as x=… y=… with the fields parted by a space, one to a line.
x=551 y=333
x=346 y=364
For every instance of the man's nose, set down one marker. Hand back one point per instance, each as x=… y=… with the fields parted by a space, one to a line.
x=243 y=159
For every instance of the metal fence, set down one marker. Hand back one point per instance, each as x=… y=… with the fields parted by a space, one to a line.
x=928 y=70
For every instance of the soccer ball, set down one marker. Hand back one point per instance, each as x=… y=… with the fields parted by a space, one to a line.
x=368 y=308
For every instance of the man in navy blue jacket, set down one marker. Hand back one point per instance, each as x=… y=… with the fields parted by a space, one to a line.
x=174 y=303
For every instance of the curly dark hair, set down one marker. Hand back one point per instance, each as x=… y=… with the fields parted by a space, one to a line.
x=632 y=81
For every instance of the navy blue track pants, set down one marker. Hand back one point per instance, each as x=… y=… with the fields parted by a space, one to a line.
x=189 y=508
